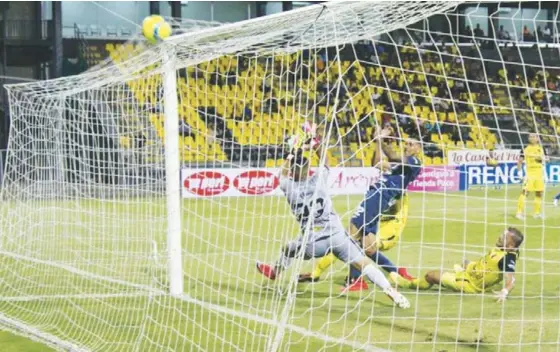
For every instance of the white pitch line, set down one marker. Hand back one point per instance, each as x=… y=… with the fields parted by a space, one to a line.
x=77 y=296
x=81 y=272
x=25 y=330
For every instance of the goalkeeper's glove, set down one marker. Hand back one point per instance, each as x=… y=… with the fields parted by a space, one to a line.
x=305 y=138
x=501 y=295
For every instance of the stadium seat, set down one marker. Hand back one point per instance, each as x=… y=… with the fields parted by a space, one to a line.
x=427 y=161
x=408 y=110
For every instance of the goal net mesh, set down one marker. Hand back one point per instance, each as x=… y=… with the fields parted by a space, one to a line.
x=83 y=216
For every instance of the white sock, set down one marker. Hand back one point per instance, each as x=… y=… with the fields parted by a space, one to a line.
x=376 y=276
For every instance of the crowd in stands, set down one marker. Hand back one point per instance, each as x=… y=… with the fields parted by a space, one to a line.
x=241 y=108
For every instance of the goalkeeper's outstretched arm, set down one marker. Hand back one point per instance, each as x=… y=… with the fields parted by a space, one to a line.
x=387 y=149
x=377 y=159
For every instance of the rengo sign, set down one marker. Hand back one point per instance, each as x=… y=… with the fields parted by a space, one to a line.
x=256 y=182
x=505 y=174
x=206 y=183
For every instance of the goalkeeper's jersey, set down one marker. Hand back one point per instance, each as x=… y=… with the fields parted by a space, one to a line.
x=489 y=270
x=534 y=159
x=310 y=201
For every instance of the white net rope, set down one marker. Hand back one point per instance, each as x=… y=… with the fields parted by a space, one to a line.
x=83 y=217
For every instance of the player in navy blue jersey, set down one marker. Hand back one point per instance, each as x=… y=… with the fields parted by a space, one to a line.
x=403 y=170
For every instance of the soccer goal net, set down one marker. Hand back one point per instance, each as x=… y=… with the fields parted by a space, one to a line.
x=138 y=196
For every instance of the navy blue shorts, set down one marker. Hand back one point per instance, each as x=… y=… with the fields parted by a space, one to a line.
x=369 y=211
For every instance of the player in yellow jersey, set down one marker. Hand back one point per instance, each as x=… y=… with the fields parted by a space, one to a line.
x=534 y=158
x=481 y=275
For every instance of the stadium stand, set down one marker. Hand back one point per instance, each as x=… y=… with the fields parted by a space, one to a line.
x=238 y=108
x=197 y=143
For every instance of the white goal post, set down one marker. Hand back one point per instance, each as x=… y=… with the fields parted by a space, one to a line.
x=138 y=196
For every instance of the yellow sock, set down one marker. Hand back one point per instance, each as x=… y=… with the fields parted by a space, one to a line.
x=538 y=204
x=420 y=283
x=521 y=204
x=399 y=280
x=323 y=264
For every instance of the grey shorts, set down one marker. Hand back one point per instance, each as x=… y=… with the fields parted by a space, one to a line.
x=327 y=241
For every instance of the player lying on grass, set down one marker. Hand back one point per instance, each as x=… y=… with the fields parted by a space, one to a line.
x=322 y=230
x=534 y=158
x=480 y=275
x=403 y=168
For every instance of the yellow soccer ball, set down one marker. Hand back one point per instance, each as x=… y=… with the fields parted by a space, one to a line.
x=155 y=28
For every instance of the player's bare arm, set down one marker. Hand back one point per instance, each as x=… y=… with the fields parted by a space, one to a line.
x=509 y=279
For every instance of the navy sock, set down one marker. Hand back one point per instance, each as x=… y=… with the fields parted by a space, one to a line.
x=354 y=273
x=557 y=196
x=383 y=262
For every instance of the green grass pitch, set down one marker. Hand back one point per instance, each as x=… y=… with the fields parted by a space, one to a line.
x=465 y=224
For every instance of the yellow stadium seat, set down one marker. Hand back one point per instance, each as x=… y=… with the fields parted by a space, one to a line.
x=408 y=110
x=470 y=145
x=452 y=117
x=437 y=160
x=270 y=163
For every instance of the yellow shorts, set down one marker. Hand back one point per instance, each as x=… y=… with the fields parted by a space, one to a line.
x=389 y=234
x=533 y=184
x=457 y=282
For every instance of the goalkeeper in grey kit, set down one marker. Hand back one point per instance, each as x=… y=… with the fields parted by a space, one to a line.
x=310 y=203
